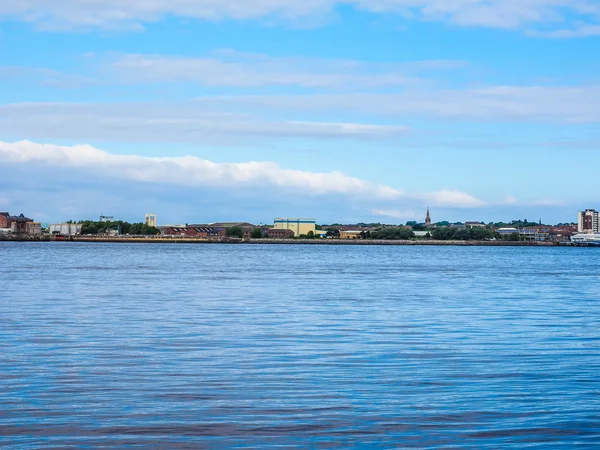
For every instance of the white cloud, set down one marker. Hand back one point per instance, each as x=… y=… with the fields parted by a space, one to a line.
x=191 y=171
x=91 y=14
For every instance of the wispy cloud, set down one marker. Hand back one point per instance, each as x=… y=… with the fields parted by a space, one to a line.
x=235 y=69
x=399 y=214
x=131 y=15
x=452 y=198
x=188 y=122
x=577 y=32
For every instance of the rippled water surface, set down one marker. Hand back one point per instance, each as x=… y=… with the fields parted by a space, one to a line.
x=217 y=346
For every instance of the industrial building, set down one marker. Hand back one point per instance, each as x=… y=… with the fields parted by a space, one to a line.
x=65 y=229
x=298 y=226
x=589 y=221
x=194 y=231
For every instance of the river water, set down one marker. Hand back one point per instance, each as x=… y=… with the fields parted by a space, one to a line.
x=291 y=346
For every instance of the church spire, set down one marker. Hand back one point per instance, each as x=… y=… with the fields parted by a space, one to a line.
x=428 y=218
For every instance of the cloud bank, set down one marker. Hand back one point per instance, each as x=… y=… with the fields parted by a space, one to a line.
x=196 y=172
x=190 y=171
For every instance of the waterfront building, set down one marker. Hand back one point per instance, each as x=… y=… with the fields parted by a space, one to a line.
x=4 y=220
x=14 y=224
x=589 y=221
x=428 y=219
x=65 y=229
x=150 y=220
x=33 y=228
x=591 y=239
x=350 y=234
x=18 y=224
x=298 y=226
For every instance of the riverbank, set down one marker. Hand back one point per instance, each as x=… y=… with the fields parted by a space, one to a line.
x=184 y=240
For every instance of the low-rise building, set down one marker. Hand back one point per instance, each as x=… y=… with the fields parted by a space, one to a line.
x=474 y=225
x=34 y=228
x=18 y=224
x=507 y=231
x=277 y=233
x=351 y=234
x=591 y=239
x=194 y=231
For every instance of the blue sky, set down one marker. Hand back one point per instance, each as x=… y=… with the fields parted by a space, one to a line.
x=204 y=110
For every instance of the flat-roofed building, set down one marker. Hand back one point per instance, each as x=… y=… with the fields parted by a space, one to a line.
x=298 y=226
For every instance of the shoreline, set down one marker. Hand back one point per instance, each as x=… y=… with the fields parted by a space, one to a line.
x=184 y=240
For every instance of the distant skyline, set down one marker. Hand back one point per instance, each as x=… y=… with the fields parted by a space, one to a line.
x=346 y=111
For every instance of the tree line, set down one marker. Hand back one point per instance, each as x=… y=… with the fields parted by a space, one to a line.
x=121 y=227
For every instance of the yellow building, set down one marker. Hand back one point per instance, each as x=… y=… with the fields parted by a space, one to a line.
x=298 y=226
x=351 y=234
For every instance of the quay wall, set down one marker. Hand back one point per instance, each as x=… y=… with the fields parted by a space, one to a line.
x=188 y=240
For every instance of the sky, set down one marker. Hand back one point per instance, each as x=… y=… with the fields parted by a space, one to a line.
x=339 y=110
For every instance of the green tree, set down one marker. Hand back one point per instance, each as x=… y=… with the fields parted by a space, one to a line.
x=310 y=235
x=333 y=232
x=235 y=232
x=393 y=233
x=256 y=233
